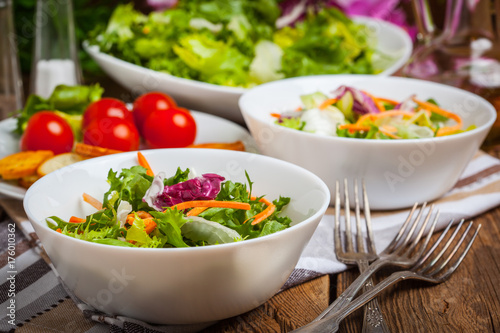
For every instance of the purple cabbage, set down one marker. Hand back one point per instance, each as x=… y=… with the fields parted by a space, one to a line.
x=205 y=187
x=160 y=5
x=362 y=103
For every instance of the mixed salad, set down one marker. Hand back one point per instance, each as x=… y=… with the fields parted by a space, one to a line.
x=353 y=113
x=154 y=211
x=240 y=43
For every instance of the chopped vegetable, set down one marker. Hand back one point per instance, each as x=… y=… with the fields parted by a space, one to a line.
x=128 y=216
x=239 y=43
x=353 y=113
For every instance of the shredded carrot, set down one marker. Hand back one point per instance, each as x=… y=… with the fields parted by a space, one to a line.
x=388 y=128
x=298 y=108
x=92 y=201
x=354 y=127
x=144 y=163
x=434 y=108
x=275 y=115
x=390 y=113
x=380 y=106
x=74 y=219
x=212 y=203
x=389 y=134
x=196 y=211
x=257 y=218
x=387 y=100
x=149 y=223
x=327 y=103
x=59 y=230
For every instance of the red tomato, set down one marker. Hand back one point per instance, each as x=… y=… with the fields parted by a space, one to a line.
x=172 y=128
x=47 y=131
x=149 y=102
x=112 y=133
x=106 y=108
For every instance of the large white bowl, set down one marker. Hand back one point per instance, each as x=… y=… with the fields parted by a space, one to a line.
x=178 y=285
x=397 y=173
x=223 y=101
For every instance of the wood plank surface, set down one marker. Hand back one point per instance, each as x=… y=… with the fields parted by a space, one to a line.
x=468 y=302
x=284 y=312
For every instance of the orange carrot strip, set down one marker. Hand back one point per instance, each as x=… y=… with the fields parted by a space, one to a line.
x=389 y=134
x=354 y=127
x=149 y=225
x=144 y=163
x=263 y=215
x=434 y=108
x=275 y=115
x=327 y=103
x=92 y=201
x=390 y=113
x=74 y=219
x=212 y=203
x=375 y=100
x=196 y=211
x=59 y=230
x=387 y=100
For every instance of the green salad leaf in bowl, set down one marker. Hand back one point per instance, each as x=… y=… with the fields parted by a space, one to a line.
x=238 y=43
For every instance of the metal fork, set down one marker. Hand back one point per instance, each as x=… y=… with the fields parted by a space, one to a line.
x=403 y=251
x=431 y=267
x=373 y=320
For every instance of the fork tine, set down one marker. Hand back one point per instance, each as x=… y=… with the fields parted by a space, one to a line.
x=422 y=230
x=455 y=249
x=462 y=256
x=413 y=227
x=368 y=221
x=337 y=241
x=401 y=231
x=359 y=233
x=429 y=252
x=446 y=245
x=348 y=232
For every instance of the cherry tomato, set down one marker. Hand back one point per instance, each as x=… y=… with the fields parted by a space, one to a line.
x=149 y=102
x=172 y=128
x=47 y=131
x=112 y=133
x=106 y=108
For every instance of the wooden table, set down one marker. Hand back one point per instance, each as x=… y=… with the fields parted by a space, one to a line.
x=468 y=302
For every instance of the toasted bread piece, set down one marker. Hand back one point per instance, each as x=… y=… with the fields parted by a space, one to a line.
x=57 y=162
x=89 y=151
x=22 y=164
x=27 y=181
x=237 y=145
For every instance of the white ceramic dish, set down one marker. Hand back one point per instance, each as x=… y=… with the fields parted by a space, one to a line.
x=223 y=101
x=209 y=129
x=178 y=285
x=397 y=173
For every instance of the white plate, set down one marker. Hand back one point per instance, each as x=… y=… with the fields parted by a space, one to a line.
x=223 y=101
x=209 y=129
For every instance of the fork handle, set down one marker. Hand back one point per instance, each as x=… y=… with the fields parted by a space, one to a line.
x=330 y=323
x=373 y=320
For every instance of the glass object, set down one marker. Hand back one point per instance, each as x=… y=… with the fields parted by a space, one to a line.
x=11 y=84
x=55 y=58
x=465 y=54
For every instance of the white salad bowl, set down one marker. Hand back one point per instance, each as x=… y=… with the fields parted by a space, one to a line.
x=223 y=101
x=397 y=173
x=177 y=285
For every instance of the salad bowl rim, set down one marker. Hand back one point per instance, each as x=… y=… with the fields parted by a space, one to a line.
x=294 y=227
x=268 y=120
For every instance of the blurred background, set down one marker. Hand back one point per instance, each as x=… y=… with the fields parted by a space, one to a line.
x=92 y=13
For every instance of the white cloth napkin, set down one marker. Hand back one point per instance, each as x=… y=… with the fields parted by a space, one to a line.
x=477 y=191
